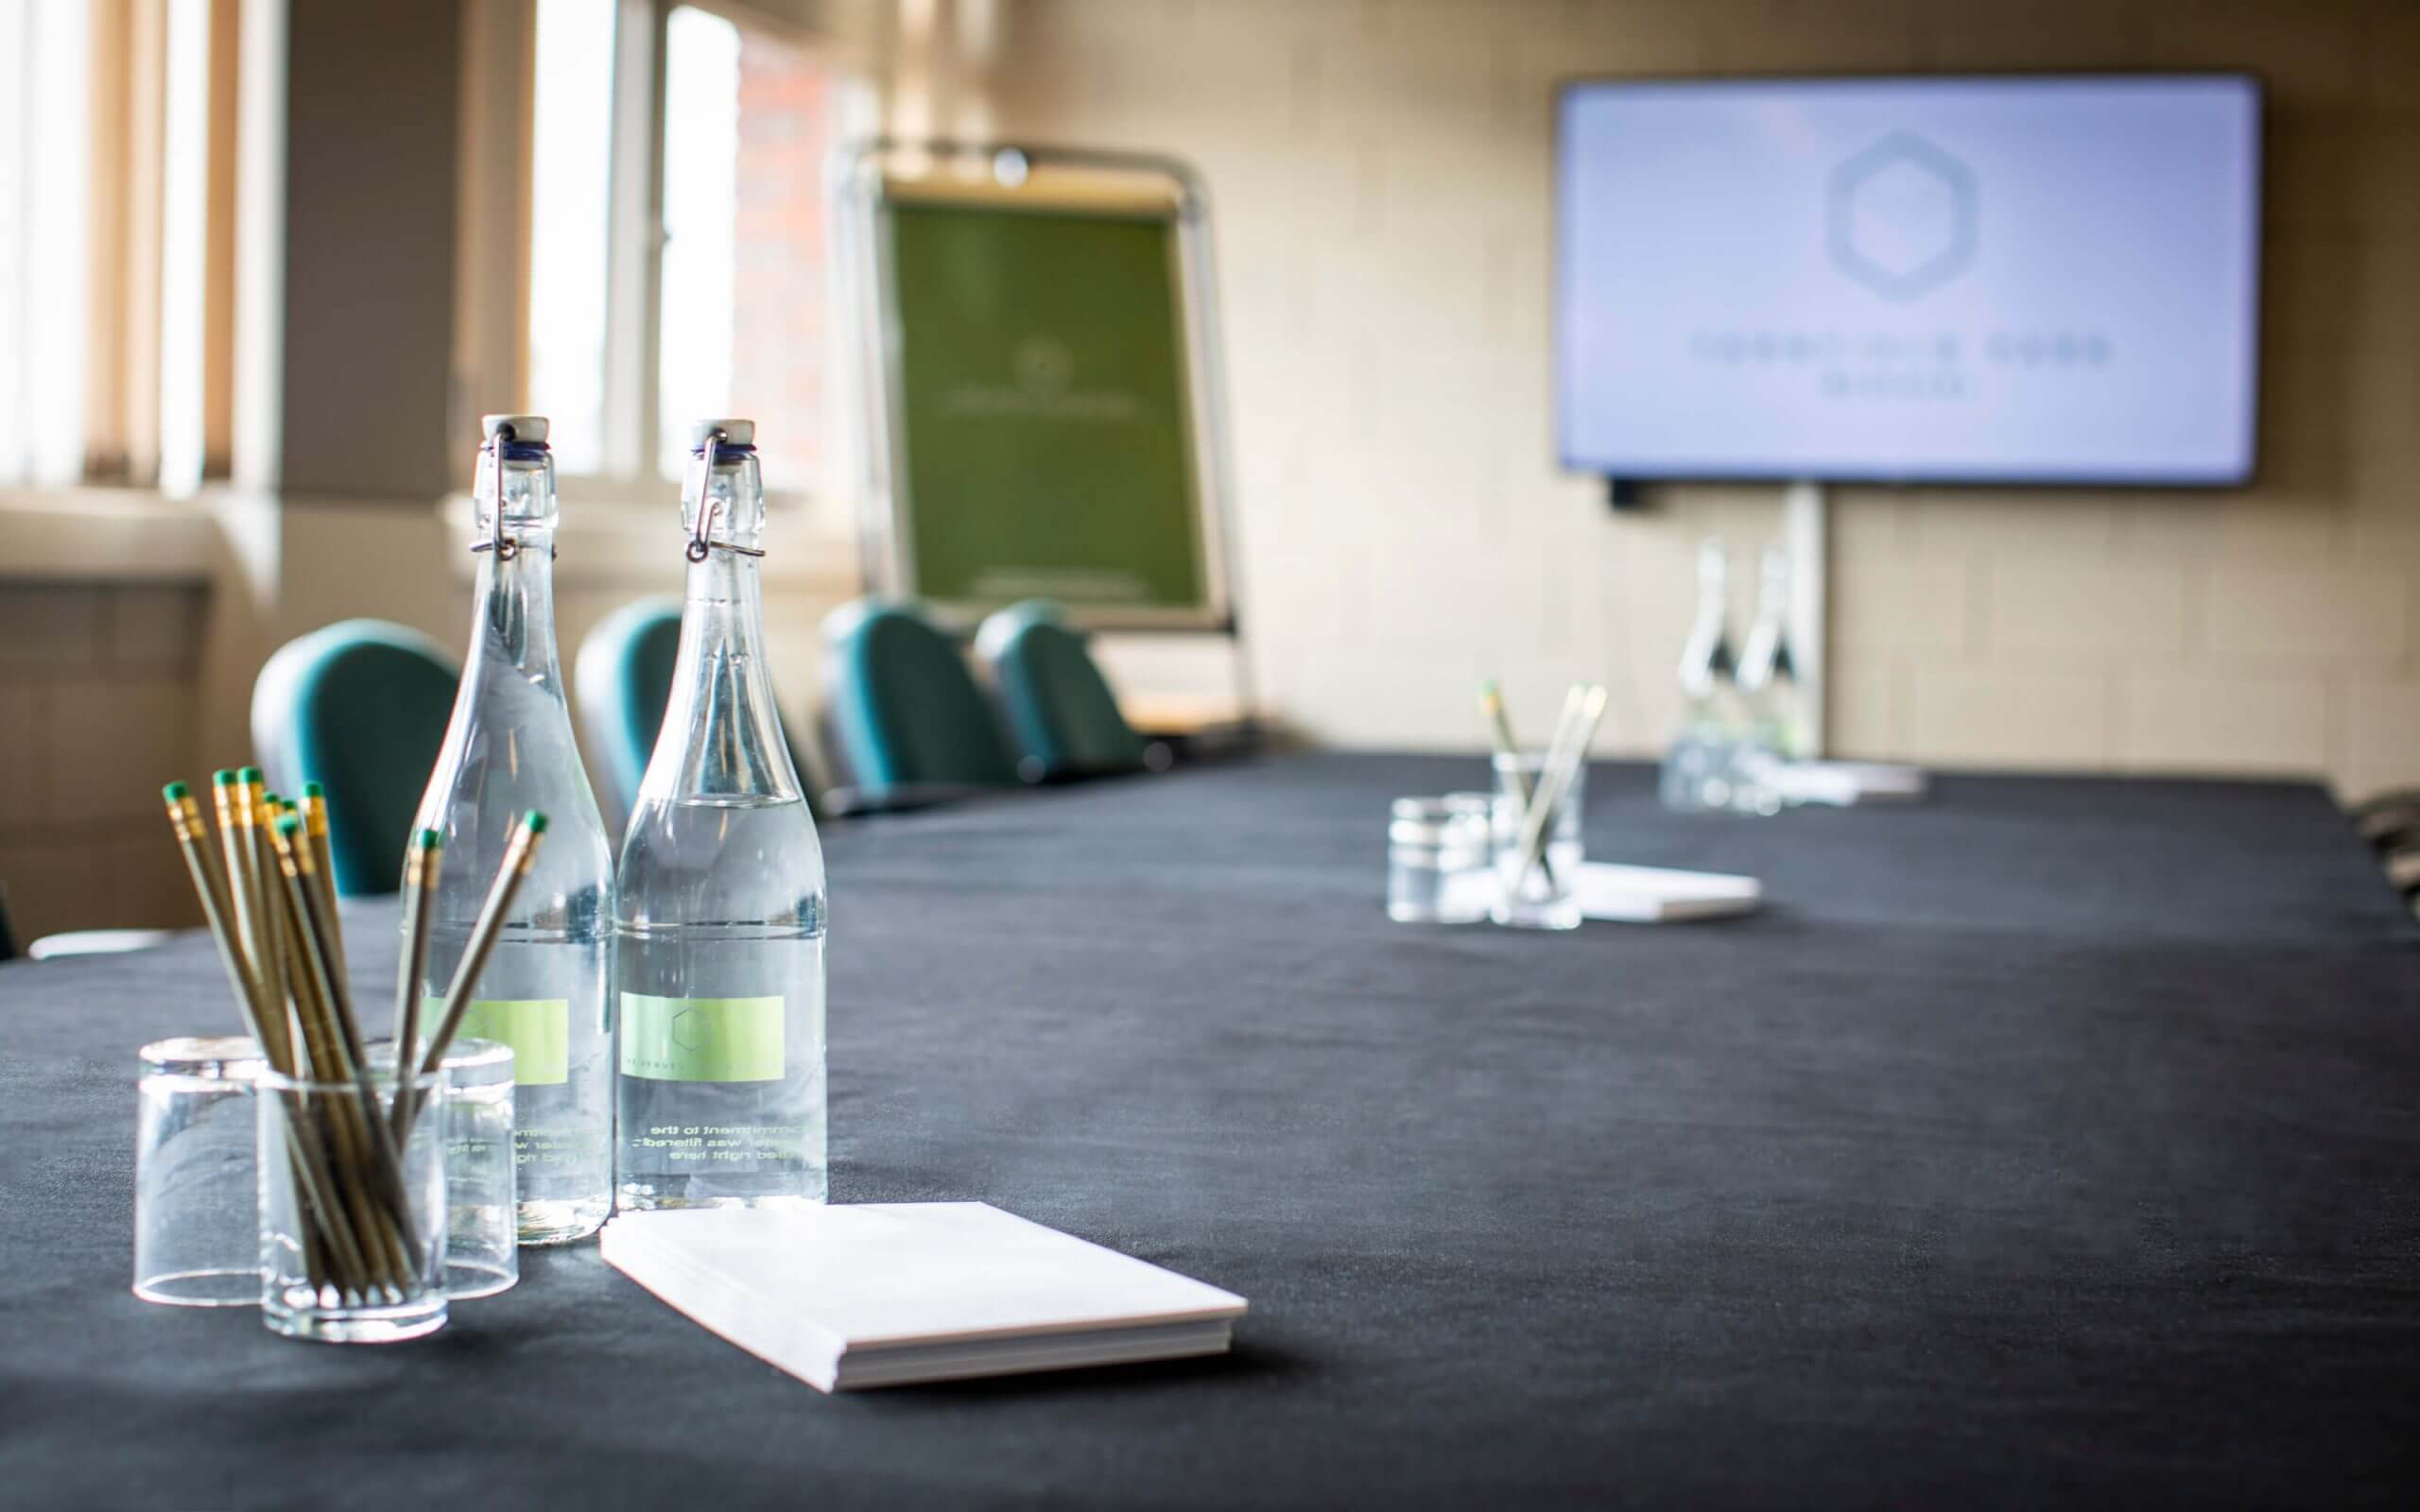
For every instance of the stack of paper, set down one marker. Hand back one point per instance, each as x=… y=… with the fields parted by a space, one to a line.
x=1847 y=782
x=888 y=1293
x=1651 y=895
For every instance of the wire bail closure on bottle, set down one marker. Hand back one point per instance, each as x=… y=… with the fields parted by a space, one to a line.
x=506 y=547
x=700 y=541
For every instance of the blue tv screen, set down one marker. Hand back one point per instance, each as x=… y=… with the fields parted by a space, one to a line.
x=1954 y=280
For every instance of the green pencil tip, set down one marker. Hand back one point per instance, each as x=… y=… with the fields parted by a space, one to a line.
x=272 y=800
x=314 y=790
x=431 y=840
x=176 y=792
x=249 y=774
x=288 y=824
x=223 y=778
x=536 y=821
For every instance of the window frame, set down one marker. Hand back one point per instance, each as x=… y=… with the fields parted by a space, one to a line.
x=635 y=237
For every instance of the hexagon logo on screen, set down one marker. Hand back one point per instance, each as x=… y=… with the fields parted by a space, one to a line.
x=1902 y=217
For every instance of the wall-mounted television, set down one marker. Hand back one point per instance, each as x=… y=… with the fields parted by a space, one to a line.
x=2019 y=279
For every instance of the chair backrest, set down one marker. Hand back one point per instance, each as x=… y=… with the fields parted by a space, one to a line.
x=904 y=707
x=361 y=707
x=624 y=678
x=1060 y=708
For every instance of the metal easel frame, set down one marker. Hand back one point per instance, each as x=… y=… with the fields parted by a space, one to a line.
x=862 y=184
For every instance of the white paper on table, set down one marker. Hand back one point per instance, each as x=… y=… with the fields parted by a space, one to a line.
x=1653 y=895
x=1845 y=782
x=884 y=1293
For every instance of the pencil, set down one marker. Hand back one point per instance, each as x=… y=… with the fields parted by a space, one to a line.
x=315 y=825
x=1554 y=782
x=243 y=877
x=520 y=853
x=421 y=863
x=1508 y=751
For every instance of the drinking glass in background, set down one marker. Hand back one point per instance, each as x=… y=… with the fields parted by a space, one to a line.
x=482 y=1169
x=376 y=1272
x=196 y=1220
x=1437 y=859
x=1537 y=893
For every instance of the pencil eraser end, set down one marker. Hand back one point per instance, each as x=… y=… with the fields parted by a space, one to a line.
x=224 y=777
x=431 y=840
x=176 y=792
x=536 y=821
x=288 y=824
x=249 y=774
x=314 y=790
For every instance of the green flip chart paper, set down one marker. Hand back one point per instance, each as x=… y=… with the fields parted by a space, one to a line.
x=1046 y=442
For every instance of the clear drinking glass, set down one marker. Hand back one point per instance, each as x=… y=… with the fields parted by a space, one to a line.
x=197 y=1214
x=482 y=1222
x=720 y=1098
x=509 y=749
x=1437 y=859
x=1537 y=892
x=352 y=1221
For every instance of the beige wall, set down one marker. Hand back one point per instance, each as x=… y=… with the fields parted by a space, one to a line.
x=97 y=703
x=1379 y=173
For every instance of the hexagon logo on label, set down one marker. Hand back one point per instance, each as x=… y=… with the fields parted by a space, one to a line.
x=689 y=1028
x=1902 y=217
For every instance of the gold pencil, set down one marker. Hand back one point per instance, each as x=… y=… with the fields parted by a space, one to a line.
x=315 y=825
x=520 y=853
x=422 y=861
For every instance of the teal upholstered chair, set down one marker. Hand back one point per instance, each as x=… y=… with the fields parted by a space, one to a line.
x=1058 y=704
x=361 y=706
x=624 y=677
x=905 y=710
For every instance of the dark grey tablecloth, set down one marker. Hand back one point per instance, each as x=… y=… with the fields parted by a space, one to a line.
x=2056 y=1140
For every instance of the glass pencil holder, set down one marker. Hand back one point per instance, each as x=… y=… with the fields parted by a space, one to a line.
x=482 y=1183
x=196 y=1220
x=1437 y=859
x=1535 y=878
x=353 y=1220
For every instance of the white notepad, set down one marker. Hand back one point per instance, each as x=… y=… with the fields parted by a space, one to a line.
x=888 y=1293
x=1650 y=895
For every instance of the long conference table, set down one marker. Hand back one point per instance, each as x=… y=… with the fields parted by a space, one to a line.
x=2053 y=1139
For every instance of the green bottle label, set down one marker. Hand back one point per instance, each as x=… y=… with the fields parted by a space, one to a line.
x=701 y=1039
x=538 y=1029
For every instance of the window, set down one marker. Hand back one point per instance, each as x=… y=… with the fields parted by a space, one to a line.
x=117 y=242
x=731 y=318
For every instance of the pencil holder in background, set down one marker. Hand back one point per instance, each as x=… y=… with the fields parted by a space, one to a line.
x=1538 y=848
x=353 y=1221
x=482 y=1181
x=197 y=1225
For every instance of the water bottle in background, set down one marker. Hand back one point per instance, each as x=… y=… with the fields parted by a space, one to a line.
x=1699 y=769
x=509 y=750
x=1769 y=687
x=719 y=1087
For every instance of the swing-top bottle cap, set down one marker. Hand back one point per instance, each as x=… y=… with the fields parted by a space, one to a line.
x=735 y=433
x=527 y=430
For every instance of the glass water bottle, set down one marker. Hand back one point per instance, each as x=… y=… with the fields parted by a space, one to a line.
x=1701 y=767
x=721 y=903
x=509 y=750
